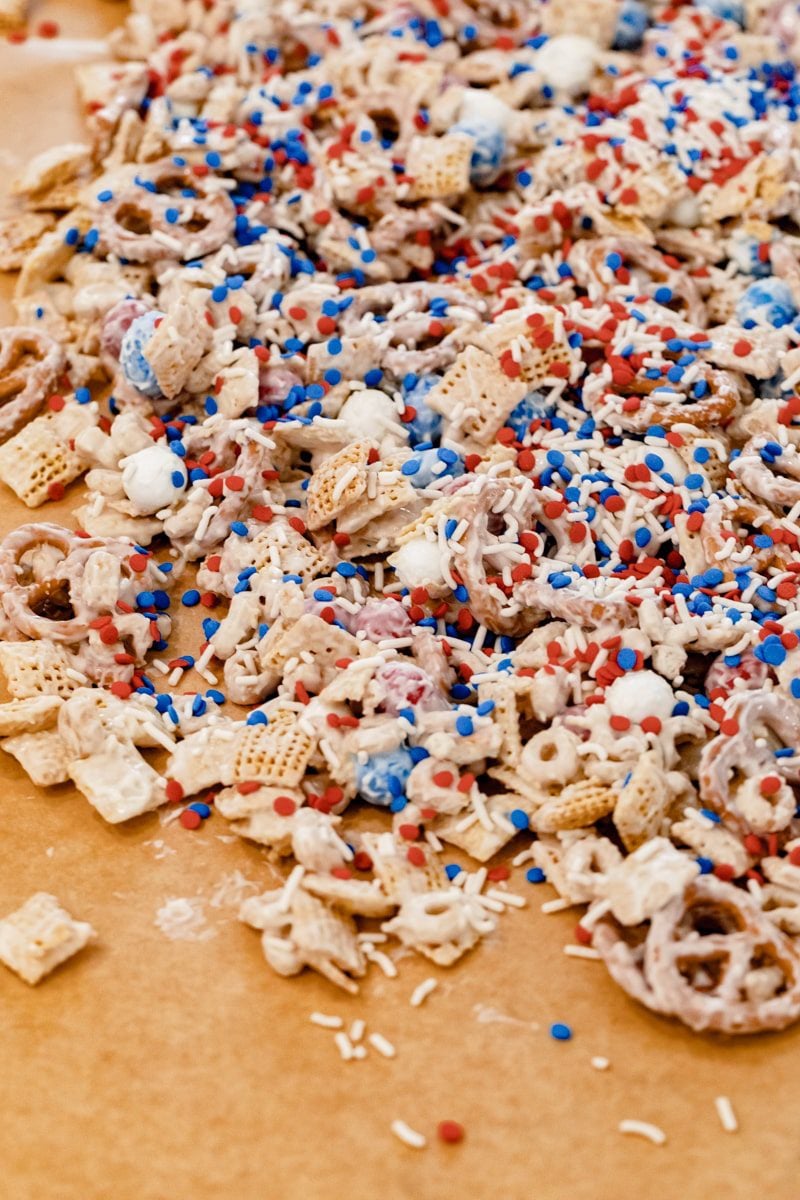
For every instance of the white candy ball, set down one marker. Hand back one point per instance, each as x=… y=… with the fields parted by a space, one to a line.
x=418 y=563
x=640 y=694
x=371 y=413
x=567 y=63
x=153 y=478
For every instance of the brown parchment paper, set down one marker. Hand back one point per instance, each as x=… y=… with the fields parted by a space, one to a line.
x=157 y=1069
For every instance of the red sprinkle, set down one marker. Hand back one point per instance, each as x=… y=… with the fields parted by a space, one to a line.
x=450 y=1131
x=190 y=819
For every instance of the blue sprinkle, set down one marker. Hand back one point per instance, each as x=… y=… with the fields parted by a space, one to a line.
x=519 y=818
x=561 y=1033
x=257 y=718
x=191 y=598
x=711 y=816
x=201 y=809
x=464 y=726
x=452 y=869
x=705 y=864
x=535 y=875
x=626 y=659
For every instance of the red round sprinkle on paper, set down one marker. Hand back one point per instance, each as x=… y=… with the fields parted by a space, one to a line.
x=450 y=1132
x=190 y=819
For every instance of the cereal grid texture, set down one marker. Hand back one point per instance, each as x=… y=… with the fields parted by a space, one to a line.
x=444 y=362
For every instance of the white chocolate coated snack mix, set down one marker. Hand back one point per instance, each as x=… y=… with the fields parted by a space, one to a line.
x=442 y=358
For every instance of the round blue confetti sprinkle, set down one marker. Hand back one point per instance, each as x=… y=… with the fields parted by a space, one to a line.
x=561 y=1033
x=519 y=818
x=191 y=598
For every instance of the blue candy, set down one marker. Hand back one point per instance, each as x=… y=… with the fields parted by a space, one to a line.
x=631 y=25
x=382 y=778
x=426 y=466
x=726 y=10
x=427 y=423
x=531 y=408
x=768 y=302
x=489 y=148
x=745 y=252
x=135 y=367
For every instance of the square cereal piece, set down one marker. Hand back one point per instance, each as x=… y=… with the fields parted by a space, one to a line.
x=36 y=669
x=40 y=460
x=119 y=783
x=39 y=936
x=44 y=756
x=19 y=234
x=28 y=716
x=439 y=166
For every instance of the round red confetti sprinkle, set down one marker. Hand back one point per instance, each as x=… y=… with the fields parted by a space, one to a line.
x=651 y=725
x=770 y=784
x=443 y=779
x=450 y=1131
x=583 y=935
x=725 y=872
x=409 y=832
x=138 y=562
x=190 y=819
x=742 y=348
x=234 y=483
x=174 y=791
x=48 y=29
x=620 y=724
x=794 y=856
x=752 y=845
x=109 y=634
x=297 y=525
x=247 y=787
x=123 y=690
x=498 y=874
x=416 y=856
x=56 y=490
x=56 y=403
x=362 y=861
x=341 y=873
x=284 y=806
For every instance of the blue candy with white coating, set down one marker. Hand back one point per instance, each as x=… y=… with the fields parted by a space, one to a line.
x=726 y=10
x=768 y=302
x=484 y=118
x=382 y=778
x=426 y=465
x=132 y=358
x=426 y=424
x=532 y=407
x=631 y=25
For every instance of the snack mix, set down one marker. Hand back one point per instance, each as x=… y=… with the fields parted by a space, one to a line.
x=442 y=356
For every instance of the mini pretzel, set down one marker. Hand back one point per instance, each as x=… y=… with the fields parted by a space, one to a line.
x=30 y=363
x=740 y=777
x=778 y=483
x=134 y=223
x=591 y=269
x=710 y=958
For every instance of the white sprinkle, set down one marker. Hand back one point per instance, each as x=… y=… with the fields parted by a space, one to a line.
x=573 y=951
x=510 y=898
x=600 y=1063
x=409 y=1136
x=359 y=1051
x=326 y=1021
x=727 y=1116
x=343 y=1045
x=422 y=991
x=357 y=1030
x=644 y=1129
x=381 y=960
x=554 y=906
x=382 y=1045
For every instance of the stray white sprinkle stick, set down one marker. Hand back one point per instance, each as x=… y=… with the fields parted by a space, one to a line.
x=644 y=1129
x=343 y=1045
x=554 y=906
x=422 y=991
x=359 y=1051
x=727 y=1116
x=382 y=1045
x=582 y=952
x=600 y=1063
x=409 y=1136
x=357 y=1030
x=326 y=1021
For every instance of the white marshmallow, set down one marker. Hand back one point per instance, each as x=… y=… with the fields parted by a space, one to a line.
x=640 y=694
x=371 y=413
x=418 y=563
x=147 y=479
x=567 y=63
